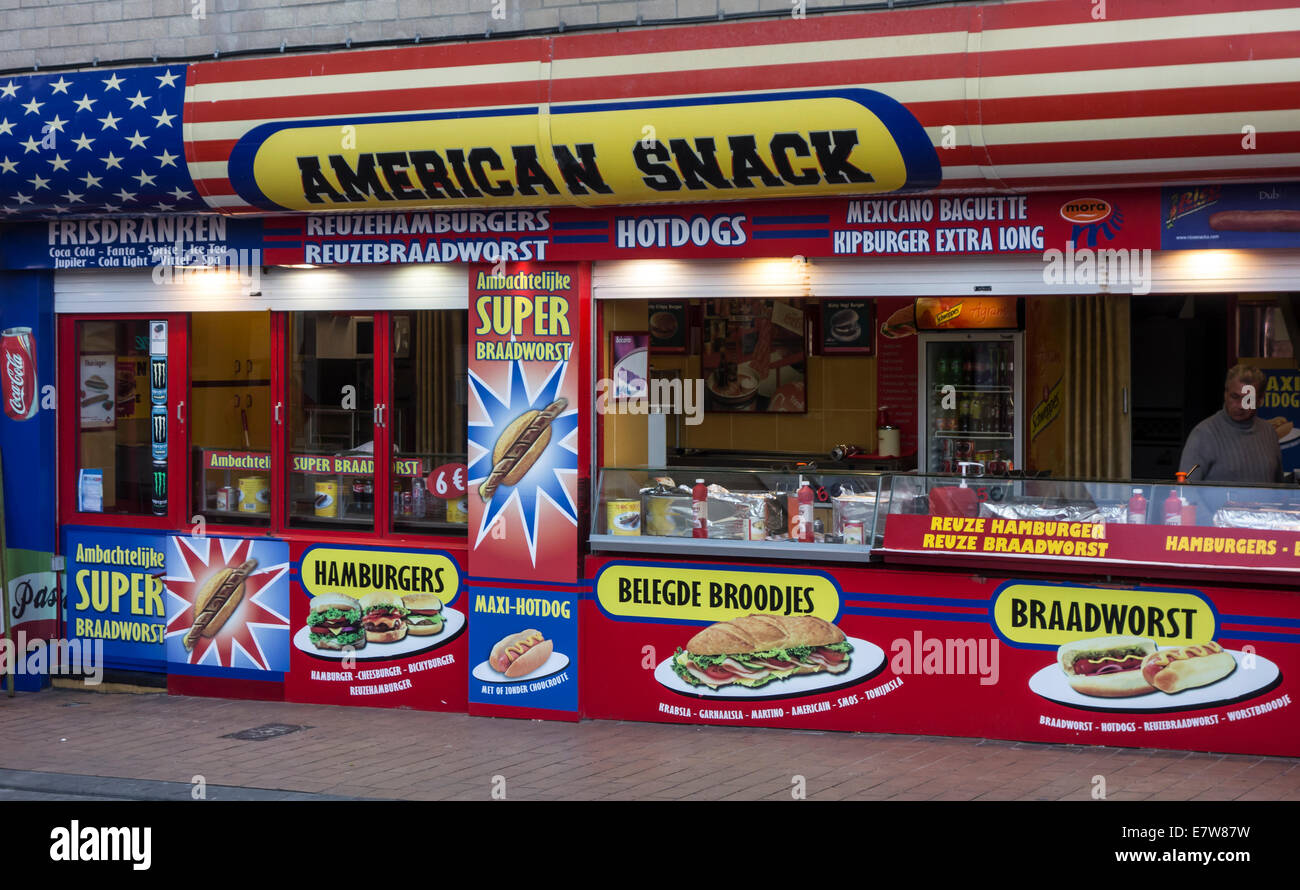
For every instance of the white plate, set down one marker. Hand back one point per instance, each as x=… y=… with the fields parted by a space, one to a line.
x=1291 y=436
x=1051 y=684
x=553 y=665
x=865 y=661
x=452 y=623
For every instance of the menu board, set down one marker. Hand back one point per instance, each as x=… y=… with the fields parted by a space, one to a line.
x=97 y=384
x=754 y=356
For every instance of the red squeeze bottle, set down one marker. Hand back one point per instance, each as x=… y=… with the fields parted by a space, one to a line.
x=805 y=512
x=700 y=509
x=1137 y=508
x=1173 y=509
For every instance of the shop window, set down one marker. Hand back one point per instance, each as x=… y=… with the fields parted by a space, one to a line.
x=230 y=410
x=331 y=421
x=114 y=439
x=428 y=421
x=1262 y=330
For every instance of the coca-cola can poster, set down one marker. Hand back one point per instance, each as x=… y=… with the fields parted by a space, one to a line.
x=97 y=385
x=20 y=389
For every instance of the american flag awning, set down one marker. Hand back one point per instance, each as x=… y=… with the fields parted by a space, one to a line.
x=1015 y=97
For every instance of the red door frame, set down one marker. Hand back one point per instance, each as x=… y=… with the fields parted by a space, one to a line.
x=177 y=412
x=180 y=481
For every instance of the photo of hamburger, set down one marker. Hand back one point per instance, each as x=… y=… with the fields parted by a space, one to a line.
x=1107 y=667
x=384 y=617
x=335 y=622
x=663 y=325
x=759 y=649
x=425 y=614
x=845 y=327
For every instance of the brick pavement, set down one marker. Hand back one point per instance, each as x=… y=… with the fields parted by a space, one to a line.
x=454 y=756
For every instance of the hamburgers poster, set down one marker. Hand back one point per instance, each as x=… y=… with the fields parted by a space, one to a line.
x=848 y=327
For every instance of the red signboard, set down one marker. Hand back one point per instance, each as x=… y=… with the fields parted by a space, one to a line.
x=378 y=627
x=882 y=650
x=1095 y=543
x=828 y=227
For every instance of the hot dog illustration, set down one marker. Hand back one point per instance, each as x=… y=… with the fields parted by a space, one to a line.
x=1186 y=667
x=1256 y=221
x=1107 y=667
x=519 y=446
x=217 y=600
x=520 y=654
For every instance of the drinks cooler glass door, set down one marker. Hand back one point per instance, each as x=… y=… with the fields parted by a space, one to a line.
x=970 y=402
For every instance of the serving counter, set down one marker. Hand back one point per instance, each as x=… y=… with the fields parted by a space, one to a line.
x=1020 y=609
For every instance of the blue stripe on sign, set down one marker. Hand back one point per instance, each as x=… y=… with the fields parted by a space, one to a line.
x=581 y=239
x=806 y=219
x=907 y=613
x=1254 y=635
x=1259 y=619
x=920 y=600
x=592 y=224
x=794 y=233
x=292 y=230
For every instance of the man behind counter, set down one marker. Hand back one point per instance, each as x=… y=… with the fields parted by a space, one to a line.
x=1234 y=445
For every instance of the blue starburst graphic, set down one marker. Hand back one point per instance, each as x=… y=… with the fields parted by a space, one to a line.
x=546 y=478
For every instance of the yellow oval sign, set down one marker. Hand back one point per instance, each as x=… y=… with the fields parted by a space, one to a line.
x=683 y=593
x=1052 y=615
x=360 y=572
x=779 y=145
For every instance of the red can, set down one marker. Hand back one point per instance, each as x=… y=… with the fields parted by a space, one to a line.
x=19 y=373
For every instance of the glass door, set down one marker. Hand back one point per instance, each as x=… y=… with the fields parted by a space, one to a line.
x=969 y=417
x=331 y=418
x=128 y=424
x=428 y=396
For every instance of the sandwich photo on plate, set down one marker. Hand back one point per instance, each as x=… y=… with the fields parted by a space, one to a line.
x=1107 y=667
x=334 y=622
x=383 y=617
x=424 y=618
x=759 y=649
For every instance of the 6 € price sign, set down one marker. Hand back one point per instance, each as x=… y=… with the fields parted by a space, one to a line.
x=447 y=481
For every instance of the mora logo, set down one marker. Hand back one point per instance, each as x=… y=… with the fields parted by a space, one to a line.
x=1090 y=216
x=850 y=141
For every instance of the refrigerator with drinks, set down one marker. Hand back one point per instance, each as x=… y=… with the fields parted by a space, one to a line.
x=971 y=396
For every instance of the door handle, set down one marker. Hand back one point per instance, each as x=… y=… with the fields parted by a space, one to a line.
x=379 y=415
x=277 y=412
x=180 y=412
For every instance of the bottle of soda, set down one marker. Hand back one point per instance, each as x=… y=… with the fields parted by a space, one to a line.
x=700 y=509
x=805 y=511
x=968 y=369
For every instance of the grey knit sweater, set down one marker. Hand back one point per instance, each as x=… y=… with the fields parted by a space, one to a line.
x=1228 y=451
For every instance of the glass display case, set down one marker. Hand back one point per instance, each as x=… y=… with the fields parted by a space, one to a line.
x=742 y=512
x=1192 y=526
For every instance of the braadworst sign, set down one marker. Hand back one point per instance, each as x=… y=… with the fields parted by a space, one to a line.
x=882 y=650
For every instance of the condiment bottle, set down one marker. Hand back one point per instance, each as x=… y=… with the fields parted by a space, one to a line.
x=700 y=509
x=1173 y=508
x=805 y=511
x=1137 y=508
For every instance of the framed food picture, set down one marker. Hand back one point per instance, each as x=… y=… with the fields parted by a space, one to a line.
x=629 y=351
x=754 y=356
x=848 y=327
x=97 y=381
x=669 y=328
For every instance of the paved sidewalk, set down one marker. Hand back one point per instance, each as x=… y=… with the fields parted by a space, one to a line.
x=374 y=753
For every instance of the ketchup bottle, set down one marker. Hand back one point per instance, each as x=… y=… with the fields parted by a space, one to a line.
x=805 y=511
x=1137 y=508
x=700 y=509
x=1173 y=509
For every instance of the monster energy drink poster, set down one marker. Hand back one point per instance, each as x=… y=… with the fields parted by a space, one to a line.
x=158 y=413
